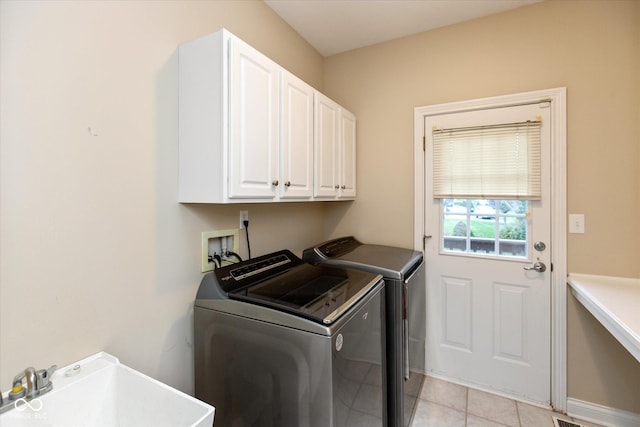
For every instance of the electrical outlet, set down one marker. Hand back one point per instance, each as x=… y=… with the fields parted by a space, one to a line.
x=244 y=216
x=576 y=223
x=216 y=243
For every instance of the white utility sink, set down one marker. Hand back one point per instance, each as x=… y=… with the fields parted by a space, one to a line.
x=100 y=391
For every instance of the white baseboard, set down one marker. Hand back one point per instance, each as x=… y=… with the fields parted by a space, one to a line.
x=603 y=415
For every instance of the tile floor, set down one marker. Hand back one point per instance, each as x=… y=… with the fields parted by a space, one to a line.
x=443 y=404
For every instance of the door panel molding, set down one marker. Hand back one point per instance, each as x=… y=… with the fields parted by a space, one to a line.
x=509 y=322
x=557 y=96
x=457 y=322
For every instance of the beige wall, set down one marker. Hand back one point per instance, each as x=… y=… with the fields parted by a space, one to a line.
x=592 y=49
x=95 y=252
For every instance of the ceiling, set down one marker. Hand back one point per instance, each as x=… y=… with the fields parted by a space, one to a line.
x=335 y=26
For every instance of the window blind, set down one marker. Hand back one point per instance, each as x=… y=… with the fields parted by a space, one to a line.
x=488 y=162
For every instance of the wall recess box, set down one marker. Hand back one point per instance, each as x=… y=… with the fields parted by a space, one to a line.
x=213 y=242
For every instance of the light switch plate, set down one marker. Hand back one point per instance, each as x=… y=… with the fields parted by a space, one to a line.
x=576 y=223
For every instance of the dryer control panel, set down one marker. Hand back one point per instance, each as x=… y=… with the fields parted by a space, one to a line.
x=334 y=248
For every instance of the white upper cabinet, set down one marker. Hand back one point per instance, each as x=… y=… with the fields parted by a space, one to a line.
x=253 y=123
x=326 y=147
x=296 y=136
x=335 y=150
x=347 y=154
x=246 y=129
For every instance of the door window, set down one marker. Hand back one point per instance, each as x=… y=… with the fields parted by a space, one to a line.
x=485 y=227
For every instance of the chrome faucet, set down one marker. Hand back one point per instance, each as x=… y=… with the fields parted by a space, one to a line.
x=37 y=383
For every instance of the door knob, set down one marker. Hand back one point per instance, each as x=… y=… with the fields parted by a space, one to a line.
x=538 y=266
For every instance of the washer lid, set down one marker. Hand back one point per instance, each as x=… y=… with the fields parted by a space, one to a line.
x=284 y=282
x=319 y=293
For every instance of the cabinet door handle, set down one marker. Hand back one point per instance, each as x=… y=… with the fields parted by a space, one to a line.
x=287 y=184
x=337 y=186
x=275 y=183
x=343 y=187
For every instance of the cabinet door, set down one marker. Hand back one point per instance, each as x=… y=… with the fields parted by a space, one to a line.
x=253 y=123
x=296 y=136
x=347 y=155
x=325 y=147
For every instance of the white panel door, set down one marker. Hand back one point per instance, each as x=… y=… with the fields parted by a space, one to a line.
x=253 y=123
x=296 y=150
x=326 y=147
x=488 y=316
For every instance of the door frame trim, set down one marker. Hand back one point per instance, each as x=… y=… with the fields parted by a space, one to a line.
x=558 y=98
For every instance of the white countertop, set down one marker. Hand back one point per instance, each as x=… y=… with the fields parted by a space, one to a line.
x=615 y=302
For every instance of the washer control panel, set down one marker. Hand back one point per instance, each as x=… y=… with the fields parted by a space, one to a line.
x=240 y=275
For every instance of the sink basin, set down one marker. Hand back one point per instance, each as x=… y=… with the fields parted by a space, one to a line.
x=100 y=391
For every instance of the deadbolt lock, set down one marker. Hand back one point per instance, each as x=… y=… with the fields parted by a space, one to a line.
x=539 y=246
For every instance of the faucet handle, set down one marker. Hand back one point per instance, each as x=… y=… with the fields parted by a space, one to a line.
x=44 y=383
x=17 y=390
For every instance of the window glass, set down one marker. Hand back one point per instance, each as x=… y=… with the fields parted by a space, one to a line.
x=485 y=227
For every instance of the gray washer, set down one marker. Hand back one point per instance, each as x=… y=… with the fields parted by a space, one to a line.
x=262 y=366
x=403 y=273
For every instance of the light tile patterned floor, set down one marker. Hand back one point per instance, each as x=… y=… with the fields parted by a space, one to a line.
x=443 y=404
